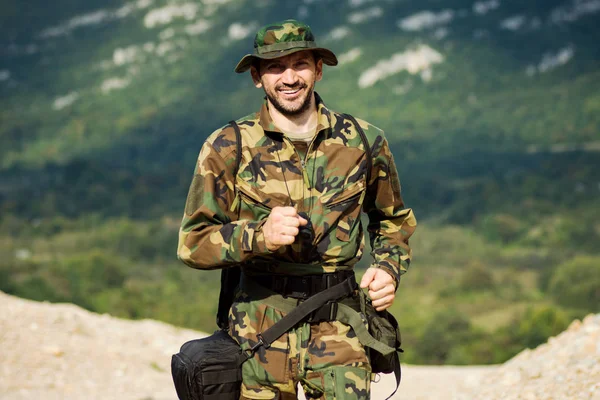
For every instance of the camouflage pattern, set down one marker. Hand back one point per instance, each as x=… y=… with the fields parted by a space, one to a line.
x=283 y=38
x=327 y=359
x=222 y=224
x=286 y=31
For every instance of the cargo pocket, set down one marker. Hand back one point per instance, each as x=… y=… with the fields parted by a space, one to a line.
x=252 y=204
x=347 y=383
x=344 y=208
x=268 y=366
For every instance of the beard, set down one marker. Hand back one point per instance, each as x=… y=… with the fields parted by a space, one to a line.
x=290 y=108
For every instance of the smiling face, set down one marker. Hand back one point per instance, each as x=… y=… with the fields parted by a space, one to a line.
x=289 y=81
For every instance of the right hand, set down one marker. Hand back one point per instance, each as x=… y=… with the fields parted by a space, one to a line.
x=281 y=227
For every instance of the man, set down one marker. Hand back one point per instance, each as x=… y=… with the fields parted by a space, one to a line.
x=291 y=219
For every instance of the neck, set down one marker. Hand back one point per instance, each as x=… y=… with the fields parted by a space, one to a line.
x=299 y=123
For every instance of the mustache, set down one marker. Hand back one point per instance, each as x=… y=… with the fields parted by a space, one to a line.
x=296 y=86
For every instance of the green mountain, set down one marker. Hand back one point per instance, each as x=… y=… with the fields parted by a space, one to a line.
x=492 y=108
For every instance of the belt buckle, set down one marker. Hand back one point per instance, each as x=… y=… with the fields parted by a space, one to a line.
x=304 y=291
x=327 y=312
x=299 y=295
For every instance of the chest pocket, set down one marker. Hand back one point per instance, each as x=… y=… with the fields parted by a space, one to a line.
x=253 y=204
x=343 y=208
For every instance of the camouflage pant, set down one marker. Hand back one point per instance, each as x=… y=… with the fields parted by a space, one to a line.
x=325 y=358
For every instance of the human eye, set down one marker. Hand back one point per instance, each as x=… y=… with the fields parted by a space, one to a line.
x=273 y=67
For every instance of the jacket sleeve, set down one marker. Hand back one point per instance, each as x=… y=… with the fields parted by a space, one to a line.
x=211 y=236
x=390 y=223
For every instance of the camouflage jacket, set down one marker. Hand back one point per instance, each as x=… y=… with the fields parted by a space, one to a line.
x=222 y=224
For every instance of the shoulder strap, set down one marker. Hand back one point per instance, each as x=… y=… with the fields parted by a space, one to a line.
x=365 y=142
x=230 y=277
x=238 y=144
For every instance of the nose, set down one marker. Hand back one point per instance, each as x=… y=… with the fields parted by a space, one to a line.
x=289 y=76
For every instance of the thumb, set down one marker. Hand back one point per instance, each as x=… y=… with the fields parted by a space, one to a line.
x=368 y=277
x=302 y=218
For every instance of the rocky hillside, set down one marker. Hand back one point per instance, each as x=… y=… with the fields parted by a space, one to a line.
x=60 y=351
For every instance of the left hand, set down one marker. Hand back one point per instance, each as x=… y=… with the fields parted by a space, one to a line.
x=381 y=287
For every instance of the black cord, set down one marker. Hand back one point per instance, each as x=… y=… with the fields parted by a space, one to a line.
x=284 y=179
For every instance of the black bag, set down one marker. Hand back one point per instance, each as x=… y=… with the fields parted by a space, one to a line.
x=384 y=327
x=208 y=368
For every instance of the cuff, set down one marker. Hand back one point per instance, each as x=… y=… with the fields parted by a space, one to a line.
x=392 y=273
x=259 y=246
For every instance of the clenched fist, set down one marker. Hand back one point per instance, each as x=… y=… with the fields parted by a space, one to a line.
x=282 y=227
x=381 y=287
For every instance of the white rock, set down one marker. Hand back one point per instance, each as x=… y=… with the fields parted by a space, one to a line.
x=551 y=61
x=114 y=84
x=513 y=23
x=483 y=7
x=414 y=61
x=358 y=3
x=166 y=34
x=164 y=15
x=239 y=31
x=65 y=101
x=362 y=16
x=576 y=10
x=198 y=27
x=349 y=56
x=424 y=20
x=125 y=55
x=338 y=33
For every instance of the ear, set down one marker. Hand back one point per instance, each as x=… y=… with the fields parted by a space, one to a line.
x=319 y=70
x=255 y=77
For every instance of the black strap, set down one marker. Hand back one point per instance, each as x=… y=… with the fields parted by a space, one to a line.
x=238 y=144
x=230 y=276
x=303 y=286
x=398 y=375
x=302 y=311
x=363 y=137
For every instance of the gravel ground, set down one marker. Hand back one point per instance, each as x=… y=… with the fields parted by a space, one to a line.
x=60 y=351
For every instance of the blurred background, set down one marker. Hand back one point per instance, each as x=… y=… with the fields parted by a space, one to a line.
x=492 y=109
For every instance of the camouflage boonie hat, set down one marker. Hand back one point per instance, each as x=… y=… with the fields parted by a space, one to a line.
x=280 y=39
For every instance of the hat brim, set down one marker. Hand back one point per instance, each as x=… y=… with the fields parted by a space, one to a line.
x=246 y=62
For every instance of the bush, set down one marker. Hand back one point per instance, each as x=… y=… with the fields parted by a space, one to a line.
x=534 y=327
x=446 y=332
x=473 y=279
x=476 y=278
x=576 y=284
x=89 y=274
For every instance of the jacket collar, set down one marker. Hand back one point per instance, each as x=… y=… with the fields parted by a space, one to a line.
x=323 y=117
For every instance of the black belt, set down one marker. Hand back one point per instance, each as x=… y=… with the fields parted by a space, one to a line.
x=301 y=287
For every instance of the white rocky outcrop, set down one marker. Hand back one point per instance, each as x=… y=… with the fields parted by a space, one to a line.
x=425 y=20
x=414 y=61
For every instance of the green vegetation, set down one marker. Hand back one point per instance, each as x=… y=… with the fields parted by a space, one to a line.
x=483 y=305
x=501 y=167
x=576 y=283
